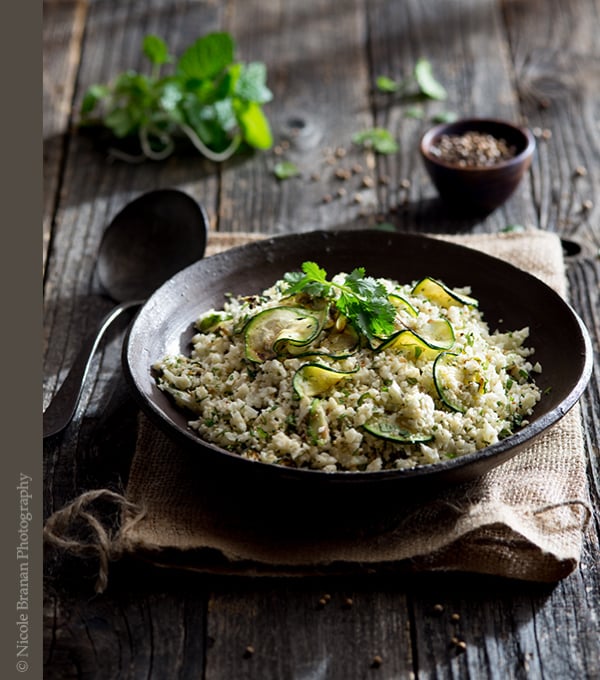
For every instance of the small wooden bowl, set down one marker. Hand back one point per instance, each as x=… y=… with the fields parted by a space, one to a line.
x=478 y=188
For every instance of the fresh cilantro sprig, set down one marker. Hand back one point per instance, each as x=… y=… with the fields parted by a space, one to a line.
x=363 y=299
x=209 y=97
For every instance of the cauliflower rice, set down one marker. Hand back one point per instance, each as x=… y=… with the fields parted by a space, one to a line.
x=446 y=387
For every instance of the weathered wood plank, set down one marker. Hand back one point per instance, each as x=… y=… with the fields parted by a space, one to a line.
x=272 y=631
x=142 y=631
x=63 y=25
x=556 y=56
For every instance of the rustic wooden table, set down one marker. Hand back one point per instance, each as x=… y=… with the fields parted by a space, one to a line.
x=537 y=62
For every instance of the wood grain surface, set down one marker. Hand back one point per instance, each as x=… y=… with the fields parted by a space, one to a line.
x=535 y=61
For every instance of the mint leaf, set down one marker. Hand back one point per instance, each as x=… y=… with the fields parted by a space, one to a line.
x=444 y=117
x=93 y=95
x=385 y=84
x=285 y=170
x=415 y=112
x=156 y=50
x=378 y=139
x=171 y=97
x=428 y=85
x=254 y=125
x=207 y=57
x=252 y=84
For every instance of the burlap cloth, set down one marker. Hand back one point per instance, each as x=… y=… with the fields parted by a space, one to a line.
x=525 y=519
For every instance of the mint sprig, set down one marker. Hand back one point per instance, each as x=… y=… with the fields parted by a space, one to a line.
x=362 y=299
x=377 y=138
x=209 y=97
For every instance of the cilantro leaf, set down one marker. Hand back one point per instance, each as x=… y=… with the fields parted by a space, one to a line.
x=362 y=299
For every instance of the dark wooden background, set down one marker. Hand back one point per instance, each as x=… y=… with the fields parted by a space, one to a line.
x=535 y=61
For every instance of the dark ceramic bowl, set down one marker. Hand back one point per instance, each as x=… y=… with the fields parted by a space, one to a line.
x=480 y=188
x=509 y=297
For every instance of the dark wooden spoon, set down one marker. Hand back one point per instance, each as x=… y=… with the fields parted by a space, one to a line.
x=153 y=237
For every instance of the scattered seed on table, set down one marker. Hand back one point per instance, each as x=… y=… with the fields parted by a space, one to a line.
x=341 y=191
x=438 y=608
x=580 y=171
x=405 y=183
x=546 y=134
x=357 y=168
x=249 y=651
x=384 y=180
x=340 y=152
x=368 y=181
x=315 y=177
x=343 y=173
x=323 y=600
x=587 y=205
x=347 y=603
x=358 y=198
x=327 y=198
x=377 y=661
x=461 y=646
x=455 y=617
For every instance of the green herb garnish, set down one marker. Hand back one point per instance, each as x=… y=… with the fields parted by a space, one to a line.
x=387 y=84
x=421 y=79
x=444 y=117
x=210 y=98
x=428 y=85
x=378 y=139
x=285 y=170
x=362 y=299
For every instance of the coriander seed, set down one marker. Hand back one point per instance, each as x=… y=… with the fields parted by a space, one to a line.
x=472 y=149
x=377 y=661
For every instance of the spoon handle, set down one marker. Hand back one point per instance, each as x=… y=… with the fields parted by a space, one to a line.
x=62 y=408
